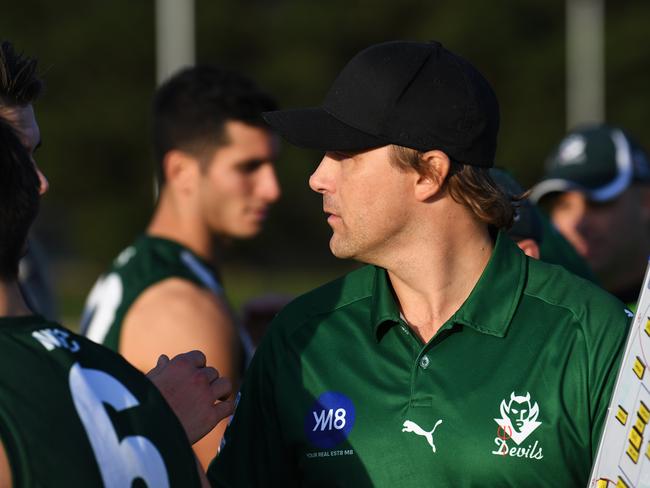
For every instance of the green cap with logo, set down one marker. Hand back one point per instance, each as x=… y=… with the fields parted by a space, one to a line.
x=598 y=160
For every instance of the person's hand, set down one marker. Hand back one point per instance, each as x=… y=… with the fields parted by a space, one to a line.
x=194 y=391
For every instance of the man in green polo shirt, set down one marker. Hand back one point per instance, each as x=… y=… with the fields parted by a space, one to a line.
x=452 y=359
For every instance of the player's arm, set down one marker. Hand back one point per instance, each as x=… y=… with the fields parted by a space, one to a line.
x=5 y=469
x=175 y=316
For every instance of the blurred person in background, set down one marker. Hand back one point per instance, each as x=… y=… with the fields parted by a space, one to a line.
x=596 y=189
x=434 y=364
x=533 y=232
x=55 y=426
x=215 y=167
x=20 y=87
x=526 y=229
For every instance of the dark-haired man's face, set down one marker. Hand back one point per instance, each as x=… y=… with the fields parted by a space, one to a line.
x=239 y=183
x=23 y=120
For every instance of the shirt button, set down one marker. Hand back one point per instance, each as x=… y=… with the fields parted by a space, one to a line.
x=424 y=362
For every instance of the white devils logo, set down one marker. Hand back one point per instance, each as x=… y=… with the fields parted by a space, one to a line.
x=518 y=417
x=410 y=426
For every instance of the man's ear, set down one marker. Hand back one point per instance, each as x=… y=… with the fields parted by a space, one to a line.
x=181 y=170
x=436 y=166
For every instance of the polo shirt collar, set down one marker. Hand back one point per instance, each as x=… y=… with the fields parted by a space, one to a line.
x=491 y=304
x=384 y=307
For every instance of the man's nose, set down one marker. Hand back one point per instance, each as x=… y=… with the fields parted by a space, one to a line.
x=270 y=187
x=321 y=180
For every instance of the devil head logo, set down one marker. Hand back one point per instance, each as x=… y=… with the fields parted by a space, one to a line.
x=518 y=417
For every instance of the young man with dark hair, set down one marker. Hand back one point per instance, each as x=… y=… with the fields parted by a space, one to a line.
x=596 y=189
x=20 y=87
x=73 y=413
x=215 y=156
x=452 y=359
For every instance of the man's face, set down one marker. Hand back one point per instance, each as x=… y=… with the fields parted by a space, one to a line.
x=239 y=184
x=609 y=235
x=366 y=199
x=23 y=121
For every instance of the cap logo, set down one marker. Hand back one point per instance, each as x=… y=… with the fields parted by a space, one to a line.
x=572 y=150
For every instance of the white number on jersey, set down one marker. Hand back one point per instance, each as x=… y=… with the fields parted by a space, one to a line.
x=99 y=314
x=120 y=462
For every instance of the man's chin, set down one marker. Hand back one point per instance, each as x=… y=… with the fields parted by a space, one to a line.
x=340 y=250
x=247 y=232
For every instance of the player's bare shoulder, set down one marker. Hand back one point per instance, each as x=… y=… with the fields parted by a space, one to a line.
x=178 y=298
x=171 y=314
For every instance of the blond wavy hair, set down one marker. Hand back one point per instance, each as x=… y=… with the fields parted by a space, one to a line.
x=468 y=185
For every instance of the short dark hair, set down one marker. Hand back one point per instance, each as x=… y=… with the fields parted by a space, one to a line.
x=471 y=186
x=19 y=200
x=191 y=108
x=20 y=84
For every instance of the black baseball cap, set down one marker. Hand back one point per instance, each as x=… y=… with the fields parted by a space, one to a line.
x=599 y=160
x=412 y=94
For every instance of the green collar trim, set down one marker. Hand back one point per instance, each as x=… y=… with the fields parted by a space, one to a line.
x=491 y=304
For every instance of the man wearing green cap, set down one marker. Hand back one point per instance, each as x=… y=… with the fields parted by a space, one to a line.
x=597 y=191
x=451 y=359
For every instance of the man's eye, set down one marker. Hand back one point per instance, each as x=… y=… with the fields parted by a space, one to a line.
x=250 y=167
x=340 y=155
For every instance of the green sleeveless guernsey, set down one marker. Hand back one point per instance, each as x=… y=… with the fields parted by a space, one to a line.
x=75 y=414
x=146 y=262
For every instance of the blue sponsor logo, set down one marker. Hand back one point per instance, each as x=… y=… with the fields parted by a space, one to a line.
x=330 y=420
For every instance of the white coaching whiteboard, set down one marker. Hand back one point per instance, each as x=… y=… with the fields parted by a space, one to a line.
x=623 y=457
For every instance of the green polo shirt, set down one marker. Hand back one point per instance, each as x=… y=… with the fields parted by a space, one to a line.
x=511 y=391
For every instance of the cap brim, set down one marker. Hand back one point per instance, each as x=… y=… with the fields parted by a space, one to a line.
x=560 y=185
x=315 y=128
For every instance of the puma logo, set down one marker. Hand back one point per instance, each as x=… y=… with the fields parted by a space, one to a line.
x=410 y=426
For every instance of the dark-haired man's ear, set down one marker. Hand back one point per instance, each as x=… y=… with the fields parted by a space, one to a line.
x=181 y=170
x=436 y=166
